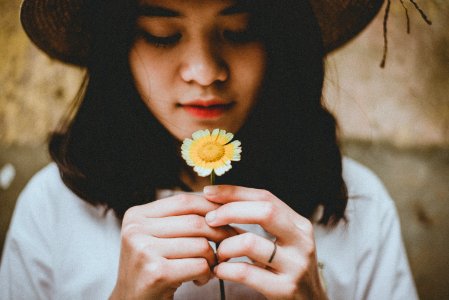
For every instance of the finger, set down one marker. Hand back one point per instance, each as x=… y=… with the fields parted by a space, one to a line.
x=238 y=229
x=181 y=204
x=186 y=226
x=255 y=247
x=268 y=215
x=229 y=193
x=204 y=280
x=183 y=270
x=264 y=281
x=185 y=248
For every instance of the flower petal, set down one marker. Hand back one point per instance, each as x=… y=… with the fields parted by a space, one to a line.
x=215 y=133
x=197 y=151
x=200 y=133
x=223 y=169
x=203 y=172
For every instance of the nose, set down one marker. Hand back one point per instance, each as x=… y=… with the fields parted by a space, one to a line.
x=203 y=64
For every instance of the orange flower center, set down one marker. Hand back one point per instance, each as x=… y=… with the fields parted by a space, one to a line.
x=211 y=152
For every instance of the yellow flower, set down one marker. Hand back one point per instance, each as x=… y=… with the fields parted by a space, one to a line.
x=211 y=152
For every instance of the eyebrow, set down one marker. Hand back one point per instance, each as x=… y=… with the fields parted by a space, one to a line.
x=159 y=11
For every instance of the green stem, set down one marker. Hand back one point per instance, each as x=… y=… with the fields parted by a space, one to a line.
x=212 y=178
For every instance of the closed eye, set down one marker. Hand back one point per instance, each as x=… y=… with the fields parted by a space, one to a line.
x=161 y=41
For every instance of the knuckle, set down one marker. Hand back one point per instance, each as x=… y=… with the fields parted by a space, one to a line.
x=301 y=267
x=127 y=240
x=141 y=255
x=183 y=199
x=156 y=272
x=228 y=189
x=266 y=195
x=248 y=242
x=203 y=266
x=307 y=227
x=307 y=241
x=203 y=246
x=242 y=272
x=140 y=245
x=130 y=214
x=196 y=222
x=143 y=249
x=129 y=237
x=268 y=211
x=128 y=229
x=291 y=289
x=309 y=249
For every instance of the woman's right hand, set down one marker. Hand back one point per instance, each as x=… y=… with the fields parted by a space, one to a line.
x=165 y=243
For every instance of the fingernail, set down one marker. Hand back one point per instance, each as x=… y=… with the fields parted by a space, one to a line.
x=210 y=216
x=210 y=190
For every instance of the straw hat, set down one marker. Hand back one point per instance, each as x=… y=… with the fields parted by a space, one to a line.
x=56 y=26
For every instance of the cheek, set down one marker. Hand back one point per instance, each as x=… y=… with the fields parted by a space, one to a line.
x=139 y=71
x=250 y=70
x=147 y=70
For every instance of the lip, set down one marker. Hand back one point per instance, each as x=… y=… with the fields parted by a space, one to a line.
x=207 y=109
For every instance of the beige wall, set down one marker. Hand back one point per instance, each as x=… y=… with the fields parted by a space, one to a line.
x=406 y=103
x=395 y=120
x=33 y=89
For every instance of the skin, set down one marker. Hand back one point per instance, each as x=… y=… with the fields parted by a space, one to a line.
x=204 y=63
x=293 y=272
x=165 y=243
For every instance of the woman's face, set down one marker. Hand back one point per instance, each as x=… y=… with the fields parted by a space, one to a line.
x=195 y=64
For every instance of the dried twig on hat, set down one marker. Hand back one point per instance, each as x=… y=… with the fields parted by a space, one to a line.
x=385 y=24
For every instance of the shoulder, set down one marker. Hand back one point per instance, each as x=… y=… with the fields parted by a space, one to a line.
x=362 y=183
x=35 y=205
x=369 y=212
x=360 y=180
x=47 y=200
x=45 y=188
x=46 y=180
x=47 y=210
x=368 y=200
x=371 y=260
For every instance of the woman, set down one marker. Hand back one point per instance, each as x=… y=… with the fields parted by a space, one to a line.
x=110 y=217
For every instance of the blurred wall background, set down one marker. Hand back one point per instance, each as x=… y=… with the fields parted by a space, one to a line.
x=394 y=120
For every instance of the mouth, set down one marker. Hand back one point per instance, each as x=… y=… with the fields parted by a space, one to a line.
x=207 y=109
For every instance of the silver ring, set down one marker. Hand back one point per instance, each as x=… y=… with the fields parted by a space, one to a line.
x=273 y=253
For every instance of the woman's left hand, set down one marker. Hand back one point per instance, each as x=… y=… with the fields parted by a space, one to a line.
x=293 y=271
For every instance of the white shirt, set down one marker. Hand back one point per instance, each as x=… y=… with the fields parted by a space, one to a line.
x=60 y=247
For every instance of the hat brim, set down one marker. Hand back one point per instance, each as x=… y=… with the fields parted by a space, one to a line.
x=342 y=20
x=57 y=26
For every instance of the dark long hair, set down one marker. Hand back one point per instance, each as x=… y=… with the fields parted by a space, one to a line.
x=113 y=151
